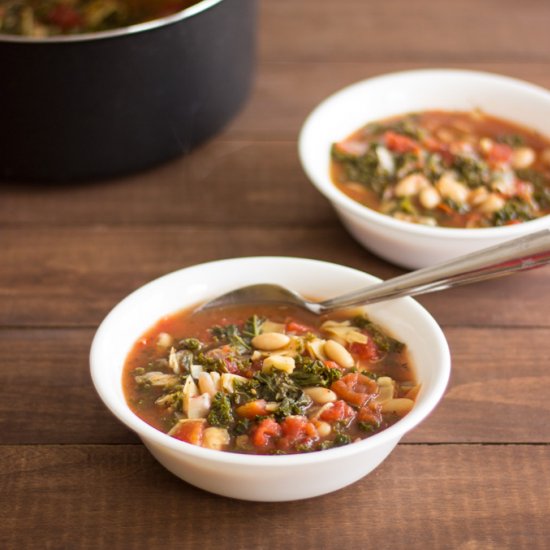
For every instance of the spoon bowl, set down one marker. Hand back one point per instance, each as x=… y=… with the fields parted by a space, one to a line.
x=520 y=254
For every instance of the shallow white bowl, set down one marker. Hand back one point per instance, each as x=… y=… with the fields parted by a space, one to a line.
x=265 y=478
x=407 y=244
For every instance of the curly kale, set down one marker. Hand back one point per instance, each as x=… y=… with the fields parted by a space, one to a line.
x=541 y=184
x=514 y=210
x=230 y=334
x=474 y=172
x=221 y=413
x=239 y=338
x=406 y=127
x=311 y=372
x=275 y=386
x=383 y=341
x=364 y=169
x=191 y=344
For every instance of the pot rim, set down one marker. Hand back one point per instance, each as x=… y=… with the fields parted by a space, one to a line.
x=195 y=9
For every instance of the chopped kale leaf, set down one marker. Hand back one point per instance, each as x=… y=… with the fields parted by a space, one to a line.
x=383 y=341
x=312 y=372
x=364 y=169
x=474 y=172
x=515 y=209
x=221 y=413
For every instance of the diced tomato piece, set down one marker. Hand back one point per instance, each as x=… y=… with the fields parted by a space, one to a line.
x=331 y=364
x=399 y=143
x=355 y=388
x=340 y=410
x=65 y=17
x=368 y=351
x=297 y=328
x=438 y=147
x=296 y=430
x=499 y=153
x=294 y=427
x=191 y=431
x=263 y=434
x=252 y=409
x=370 y=414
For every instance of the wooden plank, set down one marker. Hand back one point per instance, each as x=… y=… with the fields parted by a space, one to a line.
x=436 y=32
x=223 y=182
x=467 y=497
x=498 y=390
x=285 y=93
x=53 y=276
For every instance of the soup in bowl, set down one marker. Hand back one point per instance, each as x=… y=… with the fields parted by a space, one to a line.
x=423 y=166
x=299 y=427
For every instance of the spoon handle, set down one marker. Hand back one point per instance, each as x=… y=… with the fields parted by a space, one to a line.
x=527 y=252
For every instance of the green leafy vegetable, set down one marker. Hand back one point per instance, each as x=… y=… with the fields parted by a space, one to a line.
x=364 y=169
x=311 y=372
x=515 y=209
x=474 y=172
x=221 y=413
x=383 y=341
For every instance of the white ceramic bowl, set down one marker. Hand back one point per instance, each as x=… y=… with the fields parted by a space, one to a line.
x=407 y=244
x=251 y=477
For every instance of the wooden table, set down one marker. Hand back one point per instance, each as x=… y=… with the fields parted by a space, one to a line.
x=475 y=475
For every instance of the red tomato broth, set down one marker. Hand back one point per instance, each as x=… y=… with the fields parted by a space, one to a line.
x=258 y=427
x=487 y=159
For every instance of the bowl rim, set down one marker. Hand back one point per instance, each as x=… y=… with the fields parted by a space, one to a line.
x=139 y=426
x=341 y=200
x=192 y=10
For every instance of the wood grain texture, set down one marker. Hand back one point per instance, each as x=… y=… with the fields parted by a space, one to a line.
x=464 y=497
x=56 y=276
x=473 y=476
x=426 y=30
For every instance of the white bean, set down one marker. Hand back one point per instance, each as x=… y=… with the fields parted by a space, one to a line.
x=338 y=353
x=411 y=185
x=492 y=203
x=164 y=340
x=270 y=341
x=323 y=428
x=523 y=157
x=321 y=395
x=451 y=188
x=478 y=195
x=486 y=144
x=429 y=197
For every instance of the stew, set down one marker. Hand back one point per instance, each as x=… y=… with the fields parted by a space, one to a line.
x=268 y=380
x=451 y=169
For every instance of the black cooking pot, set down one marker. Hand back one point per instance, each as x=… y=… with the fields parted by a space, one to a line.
x=104 y=104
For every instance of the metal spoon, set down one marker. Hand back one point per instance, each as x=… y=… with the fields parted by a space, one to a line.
x=520 y=254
